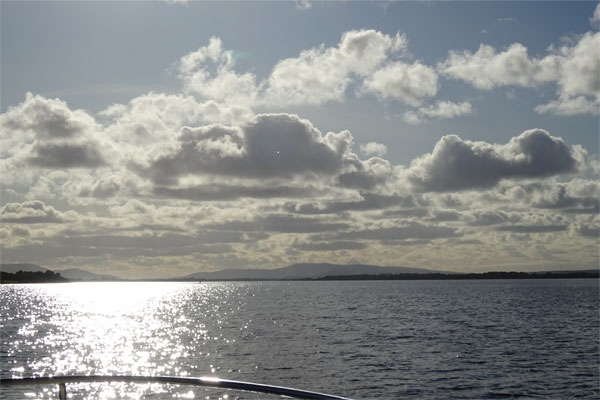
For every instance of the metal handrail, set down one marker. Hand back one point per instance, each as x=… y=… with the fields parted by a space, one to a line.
x=61 y=381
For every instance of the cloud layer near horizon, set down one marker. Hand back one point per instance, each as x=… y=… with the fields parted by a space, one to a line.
x=169 y=184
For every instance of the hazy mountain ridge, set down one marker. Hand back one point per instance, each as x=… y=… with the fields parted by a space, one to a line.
x=294 y=271
x=77 y=274
x=307 y=271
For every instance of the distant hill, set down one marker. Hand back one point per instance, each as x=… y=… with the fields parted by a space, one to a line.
x=72 y=274
x=75 y=274
x=306 y=271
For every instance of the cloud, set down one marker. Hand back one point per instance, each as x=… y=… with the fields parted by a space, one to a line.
x=457 y=164
x=394 y=234
x=40 y=119
x=209 y=72
x=316 y=76
x=486 y=218
x=214 y=192
x=30 y=212
x=579 y=81
x=104 y=187
x=506 y=20
x=575 y=69
x=157 y=117
x=282 y=223
x=330 y=246
x=366 y=174
x=322 y=74
x=442 y=110
x=408 y=83
x=577 y=196
x=447 y=109
x=271 y=145
x=66 y=155
x=532 y=228
x=444 y=215
x=486 y=68
x=367 y=201
x=569 y=106
x=366 y=57
x=177 y=179
x=373 y=149
x=46 y=133
x=158 y=243
x=580 y=74
x=46 y=119
x=303 y=5
x=588 y=231
x=596 y=16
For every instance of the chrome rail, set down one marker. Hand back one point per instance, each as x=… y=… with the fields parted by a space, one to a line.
x=61 y=381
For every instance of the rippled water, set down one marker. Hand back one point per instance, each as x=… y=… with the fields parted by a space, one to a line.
x=364 y=339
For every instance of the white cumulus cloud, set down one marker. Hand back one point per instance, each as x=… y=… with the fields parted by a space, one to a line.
x=210 y=72
x=373 y=149
x=409 y=83
x=322 y=74
x=441 y=110
x=574 y=69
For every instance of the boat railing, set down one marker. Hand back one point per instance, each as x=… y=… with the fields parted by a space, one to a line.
x=62 y=382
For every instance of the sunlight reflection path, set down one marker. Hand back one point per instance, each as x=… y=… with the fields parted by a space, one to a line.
x=118 y=328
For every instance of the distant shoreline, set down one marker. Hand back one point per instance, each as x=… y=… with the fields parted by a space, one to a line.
x=470 y=276
x=56 y=278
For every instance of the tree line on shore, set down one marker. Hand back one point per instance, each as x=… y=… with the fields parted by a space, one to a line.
x=482 y=275
x=32 y=277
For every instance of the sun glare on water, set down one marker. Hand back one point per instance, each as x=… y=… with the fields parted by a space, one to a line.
x=112 y=329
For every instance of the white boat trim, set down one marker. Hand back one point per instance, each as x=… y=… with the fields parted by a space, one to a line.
x=61 y=381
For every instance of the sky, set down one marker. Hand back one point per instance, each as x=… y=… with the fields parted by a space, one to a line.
x=155 y=139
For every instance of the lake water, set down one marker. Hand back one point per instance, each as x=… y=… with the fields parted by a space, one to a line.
x=360 y=339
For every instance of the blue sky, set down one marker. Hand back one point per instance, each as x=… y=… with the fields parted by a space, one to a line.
x=206 y=135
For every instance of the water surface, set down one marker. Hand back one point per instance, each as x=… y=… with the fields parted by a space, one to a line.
x=361 y=339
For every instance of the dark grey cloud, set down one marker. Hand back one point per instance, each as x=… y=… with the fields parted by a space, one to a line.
x=366 y=174
x=282 y=223
x=153 y=245
x=532 y=228
x=589 y=231
x=59 y=248
x=66 y=155
x=156 y=228
x=30 y=212
x=411 y=231
x=469 y=242
x=560 y=199
x=330 y=246
x=102 y=189
x=369 y=201
x=457 y=164
x=20 y=232
x=154 y=241
x=225 y=236
x=416 y=212
x=162 y=237
x=229 y=192
x=272 y=145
